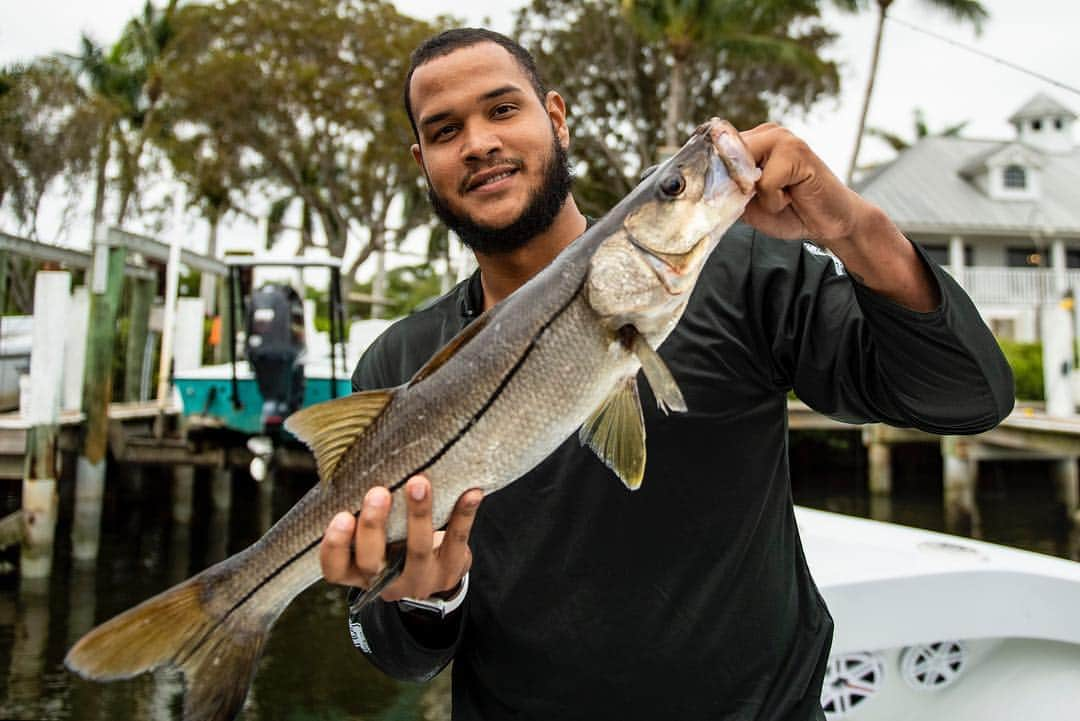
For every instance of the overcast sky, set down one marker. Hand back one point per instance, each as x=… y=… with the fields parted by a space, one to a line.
x=950 y=84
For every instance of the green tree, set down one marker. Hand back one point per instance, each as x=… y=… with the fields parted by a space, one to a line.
x=616 y=84
x=685 y=28
x=44 y=132
x=970 y=11
x=310 y=92
x=123 y=84
x=921 y=130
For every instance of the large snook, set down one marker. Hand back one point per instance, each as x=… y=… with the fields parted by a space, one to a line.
x=560 y=354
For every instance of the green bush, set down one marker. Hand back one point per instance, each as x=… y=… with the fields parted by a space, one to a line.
x=1027 y=368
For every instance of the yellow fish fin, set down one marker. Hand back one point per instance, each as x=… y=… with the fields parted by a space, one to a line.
x=331 y=427
x=616 y=433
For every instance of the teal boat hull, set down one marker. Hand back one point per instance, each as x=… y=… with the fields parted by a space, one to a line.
x=210 y=399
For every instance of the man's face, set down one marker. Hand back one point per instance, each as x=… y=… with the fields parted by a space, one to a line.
x=494 y=155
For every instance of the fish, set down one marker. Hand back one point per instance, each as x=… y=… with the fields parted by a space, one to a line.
x=560 y=355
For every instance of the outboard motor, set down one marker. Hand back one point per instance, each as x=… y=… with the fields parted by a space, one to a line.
x=275 y=348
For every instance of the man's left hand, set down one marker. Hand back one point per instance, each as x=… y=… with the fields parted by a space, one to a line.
x=799 y=198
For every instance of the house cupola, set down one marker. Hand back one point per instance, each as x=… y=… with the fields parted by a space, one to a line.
x=1044 y=124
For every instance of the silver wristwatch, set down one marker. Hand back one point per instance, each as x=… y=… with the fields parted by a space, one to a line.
x=441 y=607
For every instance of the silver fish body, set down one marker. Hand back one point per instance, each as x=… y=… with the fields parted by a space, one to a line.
x=560 y=353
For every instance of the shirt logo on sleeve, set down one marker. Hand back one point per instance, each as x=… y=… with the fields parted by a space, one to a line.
x=818 y=250
x=356 y=631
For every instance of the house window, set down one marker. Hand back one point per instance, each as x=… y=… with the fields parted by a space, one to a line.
x=1058 y=123
x=940 y=254
x=1029 y=257
x=1036 y=125
x=1015 y=177
x=1072 y=257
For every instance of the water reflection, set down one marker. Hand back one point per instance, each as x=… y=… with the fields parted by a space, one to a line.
x=310 y=669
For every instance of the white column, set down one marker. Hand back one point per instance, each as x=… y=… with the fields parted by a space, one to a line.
x=956 y=258
x=1057 y=340
x=1057 y=263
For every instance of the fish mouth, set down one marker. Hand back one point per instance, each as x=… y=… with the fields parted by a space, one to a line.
x=491 y=175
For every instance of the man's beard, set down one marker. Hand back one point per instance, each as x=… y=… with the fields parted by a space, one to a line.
x=538 y=215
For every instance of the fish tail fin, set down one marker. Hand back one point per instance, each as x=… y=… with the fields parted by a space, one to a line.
x=216 y=652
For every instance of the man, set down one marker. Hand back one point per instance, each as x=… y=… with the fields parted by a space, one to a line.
x=690 y=598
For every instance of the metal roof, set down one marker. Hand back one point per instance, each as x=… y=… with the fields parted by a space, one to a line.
x=924 y=190
x=1041 y=106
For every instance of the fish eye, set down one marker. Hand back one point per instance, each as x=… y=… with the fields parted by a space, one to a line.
x=672 y=185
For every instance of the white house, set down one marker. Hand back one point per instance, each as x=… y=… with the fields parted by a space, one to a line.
x=1002 y=215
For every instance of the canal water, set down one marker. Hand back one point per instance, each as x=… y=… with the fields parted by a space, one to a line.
x=310 y=671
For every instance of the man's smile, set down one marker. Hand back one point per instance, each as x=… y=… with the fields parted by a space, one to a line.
x=491 y=179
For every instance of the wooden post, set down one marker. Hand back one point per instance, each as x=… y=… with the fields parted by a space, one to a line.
x=75 y=348
x=220 y=502
x=183 y=493
x=879 y=457
x=1067 y=480
x=51 y=291
x=106 y=284
x=142 y=296
x=960 y=474
x=228 y=335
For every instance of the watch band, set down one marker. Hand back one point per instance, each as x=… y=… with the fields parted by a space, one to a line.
x=441 y=607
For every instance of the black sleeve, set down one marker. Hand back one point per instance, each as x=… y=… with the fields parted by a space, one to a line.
x=405 y=646
x=856 y=356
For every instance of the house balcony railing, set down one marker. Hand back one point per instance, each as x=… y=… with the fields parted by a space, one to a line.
x=1014 y=285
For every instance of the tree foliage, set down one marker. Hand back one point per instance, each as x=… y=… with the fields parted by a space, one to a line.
x=304 y=95
x=616 y=80
x=46 y=133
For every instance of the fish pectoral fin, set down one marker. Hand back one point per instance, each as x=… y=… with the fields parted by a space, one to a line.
x=664 y=387
x=331 y=427
x=616 y=433
x=452 y=347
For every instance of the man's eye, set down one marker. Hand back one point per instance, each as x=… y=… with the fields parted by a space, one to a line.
x=443 y=132
x=503 y=110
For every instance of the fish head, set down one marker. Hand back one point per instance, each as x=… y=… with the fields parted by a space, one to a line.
x=643 y=275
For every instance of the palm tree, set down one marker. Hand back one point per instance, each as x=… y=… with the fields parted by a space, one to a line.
x=922 y=130
x=685 y=27
x=961 y=10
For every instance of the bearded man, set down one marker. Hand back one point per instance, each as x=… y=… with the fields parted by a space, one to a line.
x=690 y=598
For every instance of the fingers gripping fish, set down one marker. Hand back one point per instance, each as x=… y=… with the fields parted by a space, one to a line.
x=480 y=414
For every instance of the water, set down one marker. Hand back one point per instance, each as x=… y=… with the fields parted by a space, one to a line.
x=310 y=671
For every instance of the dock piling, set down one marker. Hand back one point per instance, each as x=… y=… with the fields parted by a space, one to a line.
x=1067 y=480
x=39 y=499
x=960 y=473
x=106 y=284
x=183 y=493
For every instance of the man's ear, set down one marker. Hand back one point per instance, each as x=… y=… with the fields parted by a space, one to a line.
x=556 y=110
x=418 y=157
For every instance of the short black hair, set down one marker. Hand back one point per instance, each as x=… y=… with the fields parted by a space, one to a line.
x=448 y=41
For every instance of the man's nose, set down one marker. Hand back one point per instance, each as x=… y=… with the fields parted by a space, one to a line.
x=481 y=140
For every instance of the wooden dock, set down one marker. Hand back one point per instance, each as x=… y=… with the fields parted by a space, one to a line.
x=126 y=420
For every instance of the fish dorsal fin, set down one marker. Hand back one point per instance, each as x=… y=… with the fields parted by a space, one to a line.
x=664 y=387
x=616 y=433
x=331 y=427
x=447 y=351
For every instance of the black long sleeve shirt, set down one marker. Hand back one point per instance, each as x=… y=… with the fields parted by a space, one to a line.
x=690 y=598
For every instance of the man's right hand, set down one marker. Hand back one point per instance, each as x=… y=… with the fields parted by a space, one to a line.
x=353 y=550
